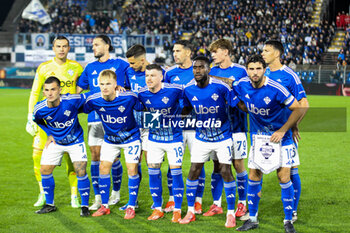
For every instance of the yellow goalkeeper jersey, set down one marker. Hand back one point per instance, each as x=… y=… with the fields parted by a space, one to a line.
x=68 y=73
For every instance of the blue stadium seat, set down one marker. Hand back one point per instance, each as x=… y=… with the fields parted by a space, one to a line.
x=311 y=74
x=309 y=79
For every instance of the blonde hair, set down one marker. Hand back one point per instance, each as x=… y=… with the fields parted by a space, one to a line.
x=107 y=74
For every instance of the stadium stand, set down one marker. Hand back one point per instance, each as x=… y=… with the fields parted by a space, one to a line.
x=246 y=23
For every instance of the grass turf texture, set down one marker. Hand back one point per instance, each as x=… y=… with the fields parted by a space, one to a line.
x=323 y=206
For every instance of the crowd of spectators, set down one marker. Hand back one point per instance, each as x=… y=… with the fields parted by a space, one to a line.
x=343 y=20
x=246 y=23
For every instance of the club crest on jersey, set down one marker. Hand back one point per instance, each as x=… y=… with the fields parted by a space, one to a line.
x=94 y=72
x=121 y=108
x=267 y=100
x=165 y=99
x=177 y=78
x=148 y=102
x=67 y=113
x=215 y=96
x=102 y=109
x=70 y=72
x=194 y=98
x=133 y=77
x=113 y=69
x=48 y=118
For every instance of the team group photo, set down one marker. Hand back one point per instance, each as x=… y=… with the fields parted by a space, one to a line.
x=176 y=117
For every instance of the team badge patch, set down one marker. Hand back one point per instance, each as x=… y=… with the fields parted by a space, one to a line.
x=215 y=96
x=267 y=100
x=67 y=113
x=121 y=108
x=165 y=99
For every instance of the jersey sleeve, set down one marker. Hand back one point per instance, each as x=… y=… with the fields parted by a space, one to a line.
x=83 y=80
x=121 y=72
x=233 y=99
x=37 y=118
x=38 y=83
x=88 y=105
x=296 y=88
x=236 y=89
x=127 y=81
x=167 y=77
x=284 y=97
x=138 y=105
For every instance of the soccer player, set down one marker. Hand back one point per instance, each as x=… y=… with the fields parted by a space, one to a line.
x=228 y=71
x=272 y=52
x=162 y=100
x=68 y=72
x=121 y=132
x=58 y=116
x=208 y=98
x=182 y=73
x=102 y=47
x=134 y=80
x=266 y=101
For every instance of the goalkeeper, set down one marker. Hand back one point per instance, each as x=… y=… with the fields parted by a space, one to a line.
x=68 y=72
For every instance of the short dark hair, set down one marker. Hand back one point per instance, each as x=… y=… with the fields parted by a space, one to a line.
x=256 y=58
x=107 y=40
x=53 y=79
x=135 y=51
x=154 y=67
x=60 y=38
x=202 y=58
x=276 y=45
x=185 y=43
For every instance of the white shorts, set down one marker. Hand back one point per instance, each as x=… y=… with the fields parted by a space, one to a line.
x=52 y=155
x=295 y=156
x=188 y=137
x=132 y=151
x=144 y=139
x=286 y=157
x=202 y=150
x=156 y=152
x=95 y=134
x=240 y=147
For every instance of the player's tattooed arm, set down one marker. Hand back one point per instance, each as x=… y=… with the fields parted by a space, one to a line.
x=80 y=168
x=154 y=165
x=228 y=81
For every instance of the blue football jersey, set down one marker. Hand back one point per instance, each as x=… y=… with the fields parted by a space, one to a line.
x=177 y=75
x=88 y=79
x=289 y=79
x=62 y=121
x=135 y=80
x=210 y=104
x=166 y=102
x=238 y=118
x=266 y=106
x=117 y=116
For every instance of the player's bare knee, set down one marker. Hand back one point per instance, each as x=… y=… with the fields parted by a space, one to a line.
x=283 y=174
x=80 y=168
x=46 y=169
x=95 y=153
x=132 y=168
x=226 y=172
x=238 y=164
x=195 y=171
x=255 y=174
x=105 y=167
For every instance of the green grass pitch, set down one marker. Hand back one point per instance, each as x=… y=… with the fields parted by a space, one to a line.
x=324 y=204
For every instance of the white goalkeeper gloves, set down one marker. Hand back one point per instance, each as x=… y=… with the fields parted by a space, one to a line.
x=31 y=126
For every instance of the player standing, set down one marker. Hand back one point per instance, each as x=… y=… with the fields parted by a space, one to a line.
x=68 y=72
x=182 y=73
x=163 y=99
x=229 y=72
x=208 y=98
x=58 y=116
x=266 y=101
x=102 y=47
x=272 y=52
x=121 y=132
